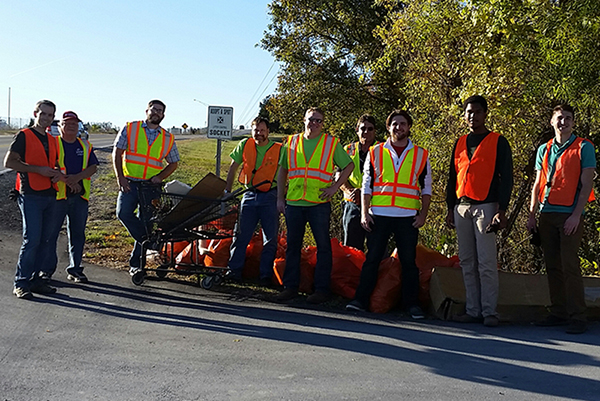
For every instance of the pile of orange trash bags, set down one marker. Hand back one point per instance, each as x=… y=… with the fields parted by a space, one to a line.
x=345 y=272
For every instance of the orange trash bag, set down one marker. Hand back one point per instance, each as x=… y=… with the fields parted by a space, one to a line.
x=253 y=251
x=386 y=294
x=308 y=262
x=173 y=248
x=426 y=260
x=218 y=253
x=188 y=256
x=346 y=268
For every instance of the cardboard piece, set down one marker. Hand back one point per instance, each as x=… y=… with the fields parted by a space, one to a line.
x=522 y=297
x=201 y=196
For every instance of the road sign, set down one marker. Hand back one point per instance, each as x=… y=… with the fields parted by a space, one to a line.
x=220 y=122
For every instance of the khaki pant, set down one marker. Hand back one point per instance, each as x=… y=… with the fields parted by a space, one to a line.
x=562 y=264
x=478 y=259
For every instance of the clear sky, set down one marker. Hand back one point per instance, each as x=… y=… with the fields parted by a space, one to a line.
x=106 y=59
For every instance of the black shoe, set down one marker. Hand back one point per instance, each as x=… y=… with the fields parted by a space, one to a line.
x=576 y=327
x=416 y=312
x=491 y=321
x=266 y=282
x=318 y=297
x=44 y=276
x=356 y=306
x=287 y=295
x=77 y=277
x=42 y=287
x=552 y=320
x=22 y=293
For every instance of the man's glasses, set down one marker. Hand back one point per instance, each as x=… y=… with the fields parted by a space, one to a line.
x=367 y=129
x=315 y=120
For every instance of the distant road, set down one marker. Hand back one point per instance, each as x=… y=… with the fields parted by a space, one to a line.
x=100 y=141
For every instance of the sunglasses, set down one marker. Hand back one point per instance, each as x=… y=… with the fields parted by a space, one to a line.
x=315 y=120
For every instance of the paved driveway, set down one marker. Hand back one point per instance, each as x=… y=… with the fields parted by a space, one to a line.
x=110 y=340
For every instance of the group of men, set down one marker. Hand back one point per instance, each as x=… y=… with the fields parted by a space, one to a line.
x=387 y=190
x=386 y=187
x=53 y=182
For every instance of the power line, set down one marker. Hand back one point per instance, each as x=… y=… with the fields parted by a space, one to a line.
x=248 y=109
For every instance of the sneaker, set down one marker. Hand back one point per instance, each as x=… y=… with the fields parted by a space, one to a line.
x=576 y=327
x=134 y=270
x=552 y=320
x=44 y=276
x=77 y=277
x=355 y=305
x=416 y=312
x=22 y=293
x=491 y=321
x=318 y=297
x=287 y=295
x=465 y=318
x=42 y=287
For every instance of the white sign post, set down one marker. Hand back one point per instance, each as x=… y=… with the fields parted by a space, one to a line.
x=220 y=127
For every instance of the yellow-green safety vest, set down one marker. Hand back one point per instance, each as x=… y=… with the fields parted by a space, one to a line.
x=355 y=179
x=62 y=187
x=142 y=161
x=397 y=188
x=307 y=179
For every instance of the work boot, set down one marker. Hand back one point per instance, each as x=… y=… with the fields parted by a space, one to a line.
x=318 y=297
x=287 y=295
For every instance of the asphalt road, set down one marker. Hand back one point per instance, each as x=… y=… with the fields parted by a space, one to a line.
x=110 y=340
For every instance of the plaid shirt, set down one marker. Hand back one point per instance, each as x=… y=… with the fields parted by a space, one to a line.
x=151 y=134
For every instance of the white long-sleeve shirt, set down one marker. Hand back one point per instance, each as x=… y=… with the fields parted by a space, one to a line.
x=367 y=184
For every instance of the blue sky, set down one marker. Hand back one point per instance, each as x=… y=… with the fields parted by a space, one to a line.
x=106 y=59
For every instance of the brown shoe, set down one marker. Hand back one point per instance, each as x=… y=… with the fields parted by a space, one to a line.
x=576 y=327
x=286 y=295
x=465 y=318
x=552 y=320
x=317 y=297
x=491 y=321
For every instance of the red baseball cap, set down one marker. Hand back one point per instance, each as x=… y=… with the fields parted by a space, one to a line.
x=70 y=115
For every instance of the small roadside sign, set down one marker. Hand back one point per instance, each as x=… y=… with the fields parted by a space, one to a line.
x=220 y=122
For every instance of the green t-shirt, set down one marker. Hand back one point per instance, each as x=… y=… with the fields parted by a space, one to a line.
x=340 y=158
x=237 y=155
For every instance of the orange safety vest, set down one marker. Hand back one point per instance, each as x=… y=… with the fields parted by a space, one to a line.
x=250 y=175
x=397 y=188
x=566 y=178
x=35 y=155
x=475 y=175
x=142 y=160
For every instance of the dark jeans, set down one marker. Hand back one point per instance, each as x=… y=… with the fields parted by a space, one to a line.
x=405 y=237
x=255 y=207
x=37 y=212
x=136 y=223
x=354 y=234
x=562 y=264
x=296 y=218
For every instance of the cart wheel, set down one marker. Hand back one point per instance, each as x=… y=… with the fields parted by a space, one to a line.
x=138 y=278
x=207 y=282
x=160 y=273
x=217 y=279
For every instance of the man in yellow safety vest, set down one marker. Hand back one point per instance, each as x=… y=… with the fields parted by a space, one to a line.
x=139 y=154
x=308 y=161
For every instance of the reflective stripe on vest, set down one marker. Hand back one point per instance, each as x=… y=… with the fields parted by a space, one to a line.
x=62 y=187
x=141 y=160
x=306 y=179
x=397 y=188
x=563 y=187
x=35 y=155
x=250 y=175
x=474 y=176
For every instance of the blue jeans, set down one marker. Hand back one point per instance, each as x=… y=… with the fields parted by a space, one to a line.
x=138 y=224
x=296 y=218
x=256 y=206
x=406 y=238
x=37 y=212
x=354 y=234
x=75 y=208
